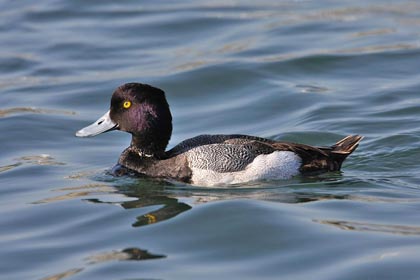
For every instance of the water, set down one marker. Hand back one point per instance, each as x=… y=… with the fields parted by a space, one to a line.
x=305 y=71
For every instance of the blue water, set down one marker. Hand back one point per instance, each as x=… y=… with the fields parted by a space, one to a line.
x=304 y=71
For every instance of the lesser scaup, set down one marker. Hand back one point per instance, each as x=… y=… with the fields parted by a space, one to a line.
x=143 y=111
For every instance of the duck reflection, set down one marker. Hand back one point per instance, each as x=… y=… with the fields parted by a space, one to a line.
x=149 y=193
x=175 y=199
x=171 y=208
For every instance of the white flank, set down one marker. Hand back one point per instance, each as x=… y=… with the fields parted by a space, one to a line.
x=277 y=165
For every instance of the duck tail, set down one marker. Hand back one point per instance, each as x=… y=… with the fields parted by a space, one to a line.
x=343 y=148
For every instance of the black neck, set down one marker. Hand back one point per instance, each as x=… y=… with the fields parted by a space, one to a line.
x=149 y=146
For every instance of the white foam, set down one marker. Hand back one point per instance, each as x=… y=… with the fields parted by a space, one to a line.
x=277 y=165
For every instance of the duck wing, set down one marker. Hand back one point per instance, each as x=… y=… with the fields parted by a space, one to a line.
x=206 y=139
x=228 y=156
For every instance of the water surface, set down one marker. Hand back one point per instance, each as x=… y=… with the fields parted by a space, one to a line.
x=305 y=71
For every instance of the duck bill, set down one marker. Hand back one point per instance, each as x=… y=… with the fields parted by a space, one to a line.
x=103 y=124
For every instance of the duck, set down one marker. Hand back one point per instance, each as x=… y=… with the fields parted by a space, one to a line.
x=205 y=160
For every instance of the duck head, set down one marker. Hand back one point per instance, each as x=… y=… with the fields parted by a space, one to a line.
x=141 y=110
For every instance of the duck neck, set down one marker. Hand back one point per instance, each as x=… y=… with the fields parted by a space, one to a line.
x=148 y=147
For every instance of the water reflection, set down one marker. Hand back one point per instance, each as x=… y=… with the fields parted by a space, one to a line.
x=174 y=198
x=369 y=227
x=134 y=254
x=20 y=110
x=169 y=200
x=171 y=208
x=42 y=159
x=76 y=192
x=64 y=274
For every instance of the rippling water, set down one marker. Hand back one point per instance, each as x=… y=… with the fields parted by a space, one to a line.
x=304 y=71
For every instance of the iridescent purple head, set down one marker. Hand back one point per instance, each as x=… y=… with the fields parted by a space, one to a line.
x=141 y=110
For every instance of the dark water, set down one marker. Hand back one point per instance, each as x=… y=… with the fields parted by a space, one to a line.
x=305 y=71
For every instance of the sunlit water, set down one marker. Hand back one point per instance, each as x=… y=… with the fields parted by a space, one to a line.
x=305 y=71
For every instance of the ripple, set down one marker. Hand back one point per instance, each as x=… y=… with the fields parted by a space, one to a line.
x=134 y=254
x=34 y=110
x=84 y=190
x=9 y=167
x=312 y=89
x=42 y=159
x=128 y=254
x=374 y=32
x=370 y=227
x=64 y=274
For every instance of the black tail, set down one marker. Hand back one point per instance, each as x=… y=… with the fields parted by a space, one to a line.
x=343 y=148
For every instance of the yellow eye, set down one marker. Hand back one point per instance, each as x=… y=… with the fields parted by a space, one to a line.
x=127 y=104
